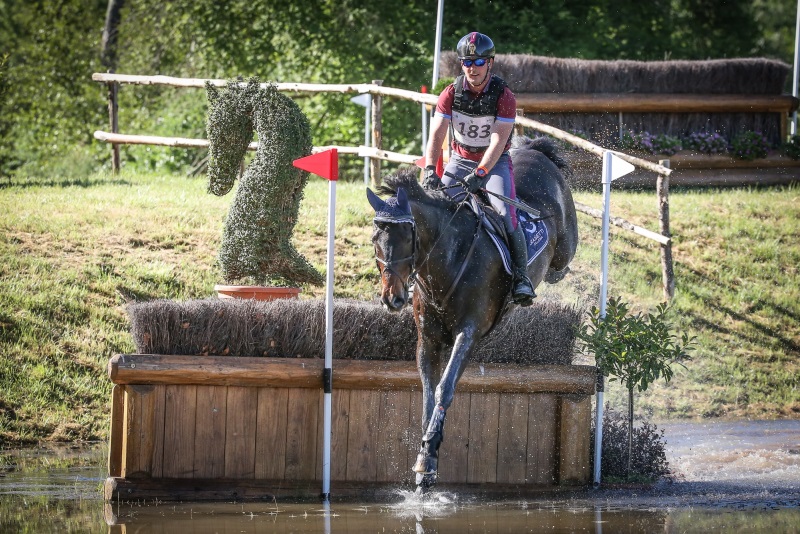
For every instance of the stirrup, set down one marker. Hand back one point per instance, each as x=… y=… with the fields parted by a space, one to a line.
x=522 y=293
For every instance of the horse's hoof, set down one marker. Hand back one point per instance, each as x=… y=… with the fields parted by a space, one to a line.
x=426 y=464
x=424 y=483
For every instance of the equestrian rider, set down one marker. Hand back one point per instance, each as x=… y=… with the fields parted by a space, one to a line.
x=479 y=110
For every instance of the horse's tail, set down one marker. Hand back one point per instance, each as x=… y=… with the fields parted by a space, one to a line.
x=545 y=145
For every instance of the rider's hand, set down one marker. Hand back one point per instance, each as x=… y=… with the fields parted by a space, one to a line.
x=475 y=181
x=430 y=180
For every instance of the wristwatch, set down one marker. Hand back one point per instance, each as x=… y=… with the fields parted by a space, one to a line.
x=481 y=171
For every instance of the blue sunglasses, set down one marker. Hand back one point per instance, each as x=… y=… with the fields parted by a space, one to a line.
x=480 y=62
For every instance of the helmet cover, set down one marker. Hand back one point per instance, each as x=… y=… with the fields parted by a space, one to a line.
x=475 y=45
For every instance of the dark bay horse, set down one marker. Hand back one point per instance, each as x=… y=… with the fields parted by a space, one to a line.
x=460 y=284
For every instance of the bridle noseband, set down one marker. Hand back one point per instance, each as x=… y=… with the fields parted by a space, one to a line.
x=389 y=265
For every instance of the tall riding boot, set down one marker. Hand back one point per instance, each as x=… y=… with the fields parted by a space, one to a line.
x=522 y=292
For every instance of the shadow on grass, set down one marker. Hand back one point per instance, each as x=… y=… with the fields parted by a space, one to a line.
x=759 y=304
x=24 y=183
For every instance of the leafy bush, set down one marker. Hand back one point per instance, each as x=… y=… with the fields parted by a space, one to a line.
x=707 y=143
x=750 y=145
x=648 y=457
x=637 y=141
x=792 y=147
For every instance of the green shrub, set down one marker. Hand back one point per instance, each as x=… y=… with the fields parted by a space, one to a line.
x=750 y=145
x=792 y=147
x=707 y=143
x=648 y=460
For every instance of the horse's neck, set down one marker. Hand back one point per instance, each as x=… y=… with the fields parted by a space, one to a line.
x=432 y=233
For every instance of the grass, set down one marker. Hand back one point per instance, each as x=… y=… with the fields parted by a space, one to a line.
x=74 y=252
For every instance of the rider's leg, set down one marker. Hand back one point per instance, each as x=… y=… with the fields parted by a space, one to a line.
x=501 y=181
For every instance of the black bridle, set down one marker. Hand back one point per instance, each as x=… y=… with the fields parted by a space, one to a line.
x=389 y=265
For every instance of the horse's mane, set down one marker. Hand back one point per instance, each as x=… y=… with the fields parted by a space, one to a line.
x=545 y=145
x=406 y=177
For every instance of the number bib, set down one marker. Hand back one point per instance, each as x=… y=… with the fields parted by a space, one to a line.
x=472 y=132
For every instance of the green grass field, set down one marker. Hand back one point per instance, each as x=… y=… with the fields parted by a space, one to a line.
x=73 y=253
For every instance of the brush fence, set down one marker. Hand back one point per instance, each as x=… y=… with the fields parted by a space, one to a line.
x=208 y=428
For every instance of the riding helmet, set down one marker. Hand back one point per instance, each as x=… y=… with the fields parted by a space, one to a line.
x=475 y=45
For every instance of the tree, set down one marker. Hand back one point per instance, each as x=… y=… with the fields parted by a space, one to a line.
x=637 y=349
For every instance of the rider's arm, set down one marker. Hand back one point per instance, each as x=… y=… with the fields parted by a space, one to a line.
x=497 y=144
x=433 y=151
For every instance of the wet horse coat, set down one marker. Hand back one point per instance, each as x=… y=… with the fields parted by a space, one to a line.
x=461 y=286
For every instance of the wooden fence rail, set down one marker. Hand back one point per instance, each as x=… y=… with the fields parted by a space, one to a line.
x=376 y=153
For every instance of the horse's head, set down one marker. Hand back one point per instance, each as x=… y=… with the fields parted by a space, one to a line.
x=395 y=241
x=229 y=130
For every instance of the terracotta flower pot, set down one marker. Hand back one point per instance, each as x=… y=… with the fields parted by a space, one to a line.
x=256 y=292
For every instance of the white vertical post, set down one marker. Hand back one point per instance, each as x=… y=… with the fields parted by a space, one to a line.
x=425 y=123
x=328 y=372
x=606 y=220
x=794 y=70
x=367 y=137
x=598 y=426
x=437 y=49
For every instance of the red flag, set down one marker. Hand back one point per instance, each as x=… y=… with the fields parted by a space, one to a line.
x=324 y=164
x=420 y=162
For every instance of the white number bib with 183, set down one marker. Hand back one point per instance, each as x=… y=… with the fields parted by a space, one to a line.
x=472 y=131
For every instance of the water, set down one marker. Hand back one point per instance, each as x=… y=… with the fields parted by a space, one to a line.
x=731 y=476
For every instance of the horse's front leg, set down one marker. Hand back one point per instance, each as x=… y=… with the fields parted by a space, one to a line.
x=427 y=463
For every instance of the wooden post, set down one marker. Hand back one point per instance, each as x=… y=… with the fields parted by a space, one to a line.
x=667 y=272
x=377 y=136
x=113 y=119
x=518 y=128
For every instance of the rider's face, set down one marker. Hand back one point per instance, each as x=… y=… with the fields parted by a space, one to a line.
x=476 y=75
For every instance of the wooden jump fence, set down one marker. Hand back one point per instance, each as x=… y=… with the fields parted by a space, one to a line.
x=205 y=427
x=528 y=102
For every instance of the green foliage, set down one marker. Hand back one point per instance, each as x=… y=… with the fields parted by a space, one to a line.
x=256 y=243
x=637 y=349
x=51 y=106
x=649 y=452
x=750 y=146
x=792 y=147
x=707 y=143
x=647 y=142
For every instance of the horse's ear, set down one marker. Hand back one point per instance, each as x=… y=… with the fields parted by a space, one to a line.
x=375 y=201
x=402 y=200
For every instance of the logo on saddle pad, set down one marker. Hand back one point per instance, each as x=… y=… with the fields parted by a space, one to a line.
x=535 y=236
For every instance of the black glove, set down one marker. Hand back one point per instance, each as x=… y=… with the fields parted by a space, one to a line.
x=474 y=183
x=430 y=180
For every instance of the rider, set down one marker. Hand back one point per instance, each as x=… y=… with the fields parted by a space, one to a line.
x=479 y=110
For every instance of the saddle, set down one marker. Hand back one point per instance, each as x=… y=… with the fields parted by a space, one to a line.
x=536 y=234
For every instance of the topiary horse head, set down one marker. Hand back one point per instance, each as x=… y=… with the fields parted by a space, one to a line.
x=256 y=242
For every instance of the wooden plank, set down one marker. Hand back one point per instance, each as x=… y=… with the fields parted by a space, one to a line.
x=574 y=422
x=512 y=443
x=302 y=427
x=271 y=418
x=179 y=431
x=392 y=453
x=141 y=421
x=362 y=434
x=209 y=442
x=340 y=423
x=483 y=434
x=654 y=103
x=240 y=432
x=117 y=431
x=454 y=452
x=350 y=374
x=542 y=442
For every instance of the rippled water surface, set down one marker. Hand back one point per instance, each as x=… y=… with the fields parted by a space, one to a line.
x=731 y=476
